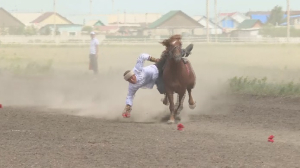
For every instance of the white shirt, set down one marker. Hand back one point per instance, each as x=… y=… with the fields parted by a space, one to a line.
x=145 y=76
x=93 y=45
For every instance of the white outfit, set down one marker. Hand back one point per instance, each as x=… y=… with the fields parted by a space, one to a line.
x=145 y=76
x=93 y=45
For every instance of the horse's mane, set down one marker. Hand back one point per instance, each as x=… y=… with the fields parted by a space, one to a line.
x=167 y=42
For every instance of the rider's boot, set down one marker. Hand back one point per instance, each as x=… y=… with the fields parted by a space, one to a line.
x=187 y=51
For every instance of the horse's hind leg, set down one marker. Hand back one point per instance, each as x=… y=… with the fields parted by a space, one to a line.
x=192 y=103
x=171 y=107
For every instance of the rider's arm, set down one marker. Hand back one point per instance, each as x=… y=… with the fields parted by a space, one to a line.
x=130 y=95
x=140 y=62
x=162 y=56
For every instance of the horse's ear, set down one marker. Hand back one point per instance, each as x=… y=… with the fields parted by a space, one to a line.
x=164 y=43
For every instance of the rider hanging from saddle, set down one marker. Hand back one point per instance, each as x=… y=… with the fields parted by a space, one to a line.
x=147 y=77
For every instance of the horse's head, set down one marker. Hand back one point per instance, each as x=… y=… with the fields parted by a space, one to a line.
x=173 y=45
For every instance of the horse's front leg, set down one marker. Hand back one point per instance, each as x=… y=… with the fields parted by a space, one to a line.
x=179 y=103
x=171 y=107
x=165 y=100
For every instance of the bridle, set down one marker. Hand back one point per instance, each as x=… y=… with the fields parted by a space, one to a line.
x=173 y=48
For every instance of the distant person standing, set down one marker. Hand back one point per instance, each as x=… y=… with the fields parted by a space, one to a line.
x=94 y=48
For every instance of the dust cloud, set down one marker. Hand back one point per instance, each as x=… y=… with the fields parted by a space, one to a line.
x=81 y=93
x=101 y=96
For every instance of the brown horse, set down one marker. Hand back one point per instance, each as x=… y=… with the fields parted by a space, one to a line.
x=178 y=77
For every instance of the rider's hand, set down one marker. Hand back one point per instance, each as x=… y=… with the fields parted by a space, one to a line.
x=128 y=108
x=126 y=111
x=152 y=59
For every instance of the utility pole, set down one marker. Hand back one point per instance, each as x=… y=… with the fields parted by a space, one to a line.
x=207 y=20
x=91 y=2
x=113 y=5
x=288 y=20
x=216 y=21
x=54 y=18
x=146 y=20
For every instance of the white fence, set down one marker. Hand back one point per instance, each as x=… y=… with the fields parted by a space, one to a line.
x=49 y=40
x=84 y=40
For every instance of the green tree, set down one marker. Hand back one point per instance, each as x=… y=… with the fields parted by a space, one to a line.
x=47 y=31
x=16 y=30
x=30 y=30
x=87 y=29
x=276 y=16
x=3 y=30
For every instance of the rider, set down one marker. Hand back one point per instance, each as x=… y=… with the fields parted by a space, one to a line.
x=147 y=77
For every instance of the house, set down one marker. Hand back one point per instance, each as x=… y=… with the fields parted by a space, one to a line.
x=108 y=29
x=248 y=29
x=214 y=28
x=63 y=29
x=26 y=18
x=93 y=23
x=8 y=21
x=174 y=22
x=126 y=29
x=250 y=24
x=50 y=18
x=137 y=18
x=230 y=21
x=294 y=21
x=263 y=16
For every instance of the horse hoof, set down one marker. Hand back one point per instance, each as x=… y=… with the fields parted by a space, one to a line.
x=179 y=110
x=193 y=106
x=162 y=100
x=171 y=121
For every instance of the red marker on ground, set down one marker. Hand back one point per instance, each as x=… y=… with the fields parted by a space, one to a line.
x=0 y=105
x=270 y=139
x=180 y=127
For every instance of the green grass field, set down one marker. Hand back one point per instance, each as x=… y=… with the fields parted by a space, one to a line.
x=213 y=64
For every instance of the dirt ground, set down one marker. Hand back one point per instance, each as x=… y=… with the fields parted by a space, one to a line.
x=41 y=137
x=71 y=118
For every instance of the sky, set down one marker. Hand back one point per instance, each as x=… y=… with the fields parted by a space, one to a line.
x=191 y=7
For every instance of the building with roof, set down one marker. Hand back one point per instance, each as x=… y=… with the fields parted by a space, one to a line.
x=263 y=16
x=174 y=22
x=248 y=29
x=108 y=30
x=93 y=23
x=26 y=18
x=213 y=27
x=136 y=18
x=63 y=29
x=9 y=21
x=250 y=24
x=230 y=21
x=50 y=18
x=294 y=21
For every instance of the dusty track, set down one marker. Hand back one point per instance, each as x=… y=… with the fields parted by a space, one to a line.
x=40 y=137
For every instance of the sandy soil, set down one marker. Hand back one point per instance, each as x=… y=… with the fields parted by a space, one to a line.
x=41 y=137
